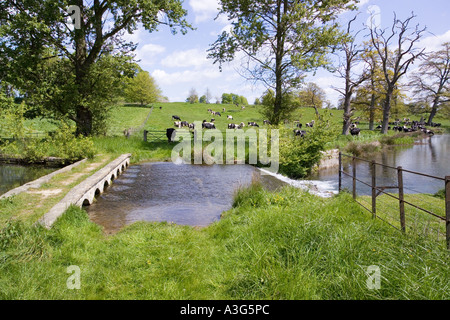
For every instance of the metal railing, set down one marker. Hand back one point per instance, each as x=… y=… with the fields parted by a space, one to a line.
x=440 y=224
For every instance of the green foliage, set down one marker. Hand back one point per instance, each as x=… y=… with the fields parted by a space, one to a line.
x=62 y=143
x=299 y=154
x=440 y=194
x=282 y=40
x=142 y=89
x=287 y=107
x=193 y=96
x=75 y=74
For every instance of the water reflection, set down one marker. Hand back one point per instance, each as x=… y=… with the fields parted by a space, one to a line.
x=184 y=194
x=13 y=176
x=430 y=156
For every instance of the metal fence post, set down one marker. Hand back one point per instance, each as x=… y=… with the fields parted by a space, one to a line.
x=340 y=172
x=354 y=176
x=447 y=210
x=401 y=198
x=374 y=190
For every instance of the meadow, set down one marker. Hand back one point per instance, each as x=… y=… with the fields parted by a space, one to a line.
x=286 y=244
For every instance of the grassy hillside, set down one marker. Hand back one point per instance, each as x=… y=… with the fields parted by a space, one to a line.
x=133 y=117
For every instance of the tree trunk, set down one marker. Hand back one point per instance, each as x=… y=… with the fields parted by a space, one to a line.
x=372 y=112
x=433 y=111
x=386 y=112
x=347 y=116
x=278 y=67
x=84 y=121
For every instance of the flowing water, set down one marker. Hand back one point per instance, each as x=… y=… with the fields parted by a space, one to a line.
x=13 y=176
x=430 y=156
x=194 y=195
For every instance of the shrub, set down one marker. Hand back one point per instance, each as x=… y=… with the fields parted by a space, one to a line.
x=299 y=154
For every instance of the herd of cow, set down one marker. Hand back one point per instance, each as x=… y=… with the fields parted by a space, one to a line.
x=401 y=126
x=410 y=126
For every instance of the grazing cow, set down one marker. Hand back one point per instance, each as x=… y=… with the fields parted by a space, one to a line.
x=230 y=117
x=210 y=110
x=177 y=124
x=253 y=124
x=231 y=126
x=191 y=126
x=242 y=108
x=208 y=125
x=242 y=125
x=355 y=131
x=223 y=110
x=431 y=133
x=176 y=118
x=300 y=133
x=170 y=133
x=267 y=122
x=212 y=120
x=311 y=124
x=299 y=125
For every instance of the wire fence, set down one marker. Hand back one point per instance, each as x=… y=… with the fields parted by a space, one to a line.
x=401 y=205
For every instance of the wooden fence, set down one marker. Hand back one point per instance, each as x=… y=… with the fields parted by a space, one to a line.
x=433 y=216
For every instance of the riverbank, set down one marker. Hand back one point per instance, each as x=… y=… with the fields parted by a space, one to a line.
x=283 y=245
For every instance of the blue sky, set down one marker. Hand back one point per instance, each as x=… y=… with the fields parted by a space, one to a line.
x=179 y=63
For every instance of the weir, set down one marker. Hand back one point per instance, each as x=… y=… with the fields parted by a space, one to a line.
x=85 y=192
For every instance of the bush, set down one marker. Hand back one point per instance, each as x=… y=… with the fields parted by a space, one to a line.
x=298 y=155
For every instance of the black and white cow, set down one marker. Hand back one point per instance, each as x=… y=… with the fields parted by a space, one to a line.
x=300 y=133
x=170 y=134
x=176 y=118
x=355 y=131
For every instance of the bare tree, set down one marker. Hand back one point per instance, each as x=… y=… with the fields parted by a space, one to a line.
x=395 y=63
x=208 y=95
x=432 y=79
x=352 y=56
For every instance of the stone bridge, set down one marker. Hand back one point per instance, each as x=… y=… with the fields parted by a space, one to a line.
x=84 y=193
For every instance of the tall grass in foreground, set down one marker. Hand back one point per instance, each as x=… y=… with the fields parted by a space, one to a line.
x=270 y=245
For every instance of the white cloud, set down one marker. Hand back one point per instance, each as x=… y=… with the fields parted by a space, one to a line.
x=136 y=36
x=204 y=9
x=433 y=43
x=186 y=58
x=148 y=52
x=194 y=77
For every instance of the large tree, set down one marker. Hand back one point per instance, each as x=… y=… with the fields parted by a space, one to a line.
x=281 y=40
x=32 y=32
x=397 y=51
x=346 y=70
x=431 y=82
x=142 y=89
x=312 y=96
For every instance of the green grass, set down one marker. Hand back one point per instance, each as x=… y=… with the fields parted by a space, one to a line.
x=285 y=245
x=417 y=221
